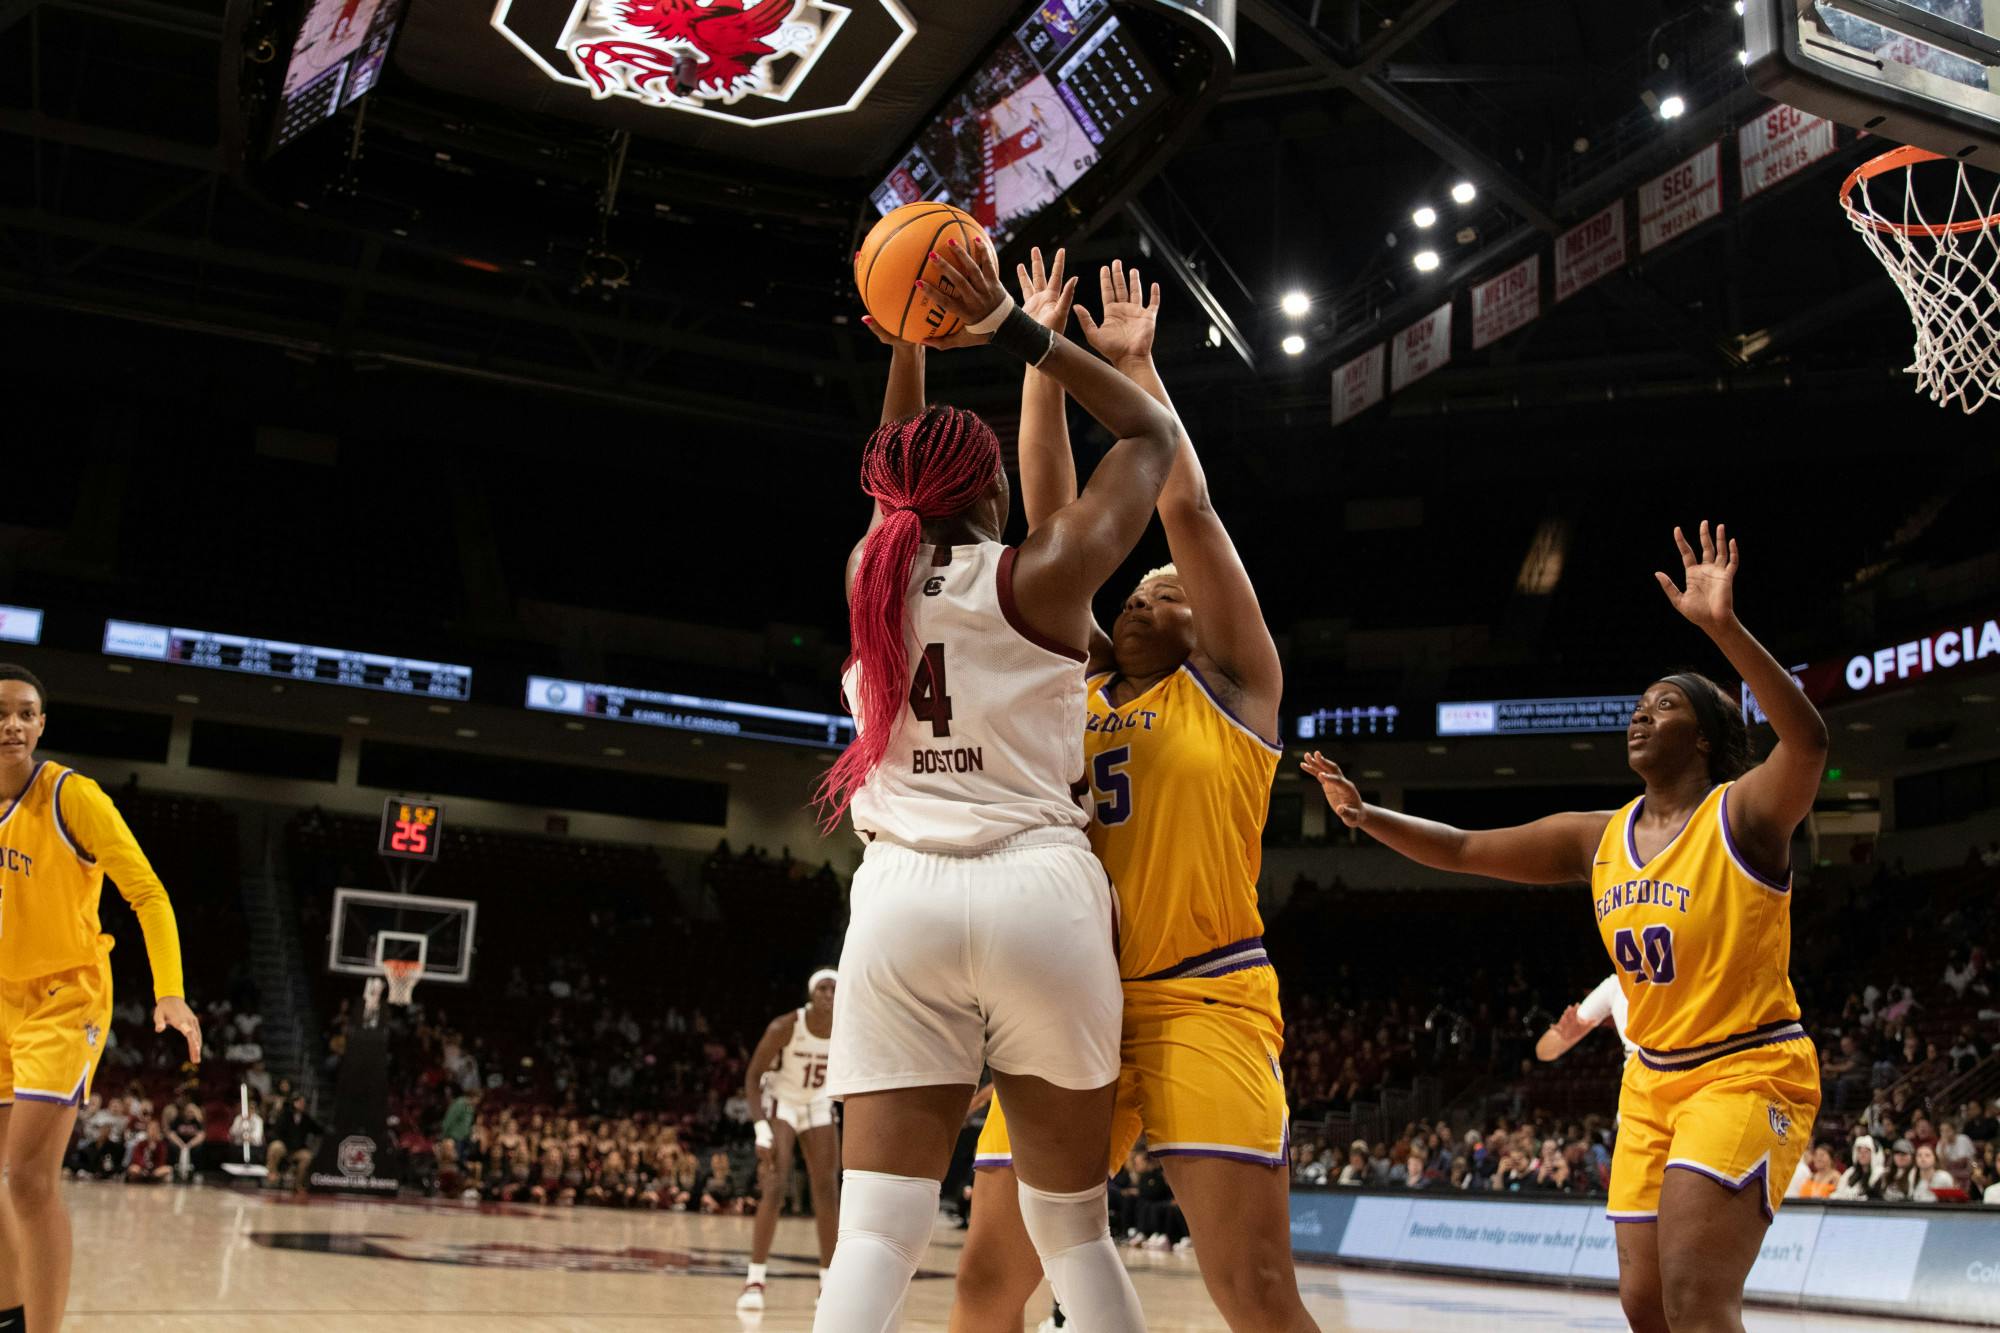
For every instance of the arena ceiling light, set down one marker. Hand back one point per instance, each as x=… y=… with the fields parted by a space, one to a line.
x=1293 y=344
x=1464 y=192
x=1425 y=260
x=1296 y=304
x=1673 y=106
x=1425 y=216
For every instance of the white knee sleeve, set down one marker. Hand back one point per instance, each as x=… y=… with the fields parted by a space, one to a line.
x=1058 y=1222
x=885 y=1225
x=1072 y=1234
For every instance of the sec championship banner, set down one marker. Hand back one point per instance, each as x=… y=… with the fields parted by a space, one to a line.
x=1782 y=142
x=1357 y=386
x=1680 y=200
x=1505 y=303
x=1589 y=250
x=1421 y=348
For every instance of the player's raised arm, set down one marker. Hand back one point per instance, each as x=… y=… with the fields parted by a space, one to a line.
x=1084 y=543
x=904 y=394
x=1557 y=849
x=101 y=833
x=902 y=397
x=1233 y=634
x=1048 y=467
x=1770 y=801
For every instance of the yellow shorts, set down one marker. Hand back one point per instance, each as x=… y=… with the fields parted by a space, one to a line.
x=52 y=1034
x=1199 y=1074
x=1743 y=1117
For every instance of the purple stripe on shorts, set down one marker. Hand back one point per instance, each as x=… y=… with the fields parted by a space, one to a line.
x=1760 y=1172
x=1256 y=1159
x=991 y=1163
x=45 y=1097
x=1779 y=1040
x=1633 y=1217
x=1187 y=966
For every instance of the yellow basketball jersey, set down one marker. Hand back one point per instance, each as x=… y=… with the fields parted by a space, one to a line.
x=56 y=843
x=1179 y=792
x=1701 y=942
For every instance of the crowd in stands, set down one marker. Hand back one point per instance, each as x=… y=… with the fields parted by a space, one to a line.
x=1904 y=1007
x=598 y=1057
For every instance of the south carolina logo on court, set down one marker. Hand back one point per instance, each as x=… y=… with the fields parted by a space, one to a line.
x=1781 y=1124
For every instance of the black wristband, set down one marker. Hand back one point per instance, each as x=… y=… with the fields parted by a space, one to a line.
x=1023 y=337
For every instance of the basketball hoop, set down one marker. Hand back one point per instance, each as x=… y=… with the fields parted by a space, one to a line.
x=1948 y=271
x=402 y=975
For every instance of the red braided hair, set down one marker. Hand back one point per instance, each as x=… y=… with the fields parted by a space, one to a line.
x=934 y=465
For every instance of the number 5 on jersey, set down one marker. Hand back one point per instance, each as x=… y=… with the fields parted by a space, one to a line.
x=1111 y=786
x=928 y=699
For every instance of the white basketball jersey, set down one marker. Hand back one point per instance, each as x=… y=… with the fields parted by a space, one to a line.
x=989 y=741
x=800 y=1074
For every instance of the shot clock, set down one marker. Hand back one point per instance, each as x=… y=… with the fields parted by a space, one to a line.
x=411 y=828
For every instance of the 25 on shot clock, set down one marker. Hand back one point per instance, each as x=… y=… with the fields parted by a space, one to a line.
x=411 y=829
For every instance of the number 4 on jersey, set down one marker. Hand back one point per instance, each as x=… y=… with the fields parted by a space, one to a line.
x=928 y=697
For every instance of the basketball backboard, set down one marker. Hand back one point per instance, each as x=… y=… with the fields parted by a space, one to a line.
x=370 y=926
x=1923 y=72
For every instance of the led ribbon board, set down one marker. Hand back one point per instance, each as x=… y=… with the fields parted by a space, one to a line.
x=686 y=712
x=287 y=661
x=748 y=62
x=1515 y=717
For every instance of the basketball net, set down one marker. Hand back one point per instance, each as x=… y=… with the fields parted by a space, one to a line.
x=402 y=975
x=1948 y=269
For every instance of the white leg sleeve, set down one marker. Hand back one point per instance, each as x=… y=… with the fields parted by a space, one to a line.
x=885 y=1225
x=1072 y=1234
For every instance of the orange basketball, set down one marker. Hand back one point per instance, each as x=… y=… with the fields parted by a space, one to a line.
x=897 y=253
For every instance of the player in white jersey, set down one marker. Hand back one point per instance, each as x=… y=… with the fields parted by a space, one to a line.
x=786 y=1081
x=981 y=933
x=1606 y=1003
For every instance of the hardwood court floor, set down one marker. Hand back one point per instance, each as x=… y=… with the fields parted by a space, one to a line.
x=207 y=1260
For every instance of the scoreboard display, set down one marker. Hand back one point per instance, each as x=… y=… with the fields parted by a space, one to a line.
x=411 y=829
x=1034 y=119
x=287 y=661
x=687 y=712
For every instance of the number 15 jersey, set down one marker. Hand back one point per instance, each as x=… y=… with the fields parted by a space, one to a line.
x=1701 y=941
x=989 y=740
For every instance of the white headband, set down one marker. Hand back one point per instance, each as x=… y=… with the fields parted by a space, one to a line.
x=824 y=974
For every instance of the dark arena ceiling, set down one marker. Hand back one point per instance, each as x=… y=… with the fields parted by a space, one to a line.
x=632 y=340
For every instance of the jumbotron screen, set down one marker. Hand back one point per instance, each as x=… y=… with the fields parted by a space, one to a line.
x=1031 y=120
x=337 y=56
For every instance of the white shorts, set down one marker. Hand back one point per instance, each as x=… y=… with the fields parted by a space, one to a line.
x=801 y=1116
x=1003 y=957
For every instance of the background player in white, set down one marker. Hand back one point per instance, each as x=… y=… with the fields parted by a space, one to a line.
x=786 y=1081
x=1604 y=1003
x=982 y=925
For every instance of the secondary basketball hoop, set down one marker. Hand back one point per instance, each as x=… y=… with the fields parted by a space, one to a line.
x=1944 y=257
x=402 y=974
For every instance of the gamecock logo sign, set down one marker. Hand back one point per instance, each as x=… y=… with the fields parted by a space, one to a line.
x=753 y=62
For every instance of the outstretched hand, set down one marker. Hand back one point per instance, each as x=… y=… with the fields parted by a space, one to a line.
x=1044 y=294
x=1343 y=796
x=968 y=286
x=1124 y=331
x=172 y=1012
x=1571 y=1026
x=1710 y=597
